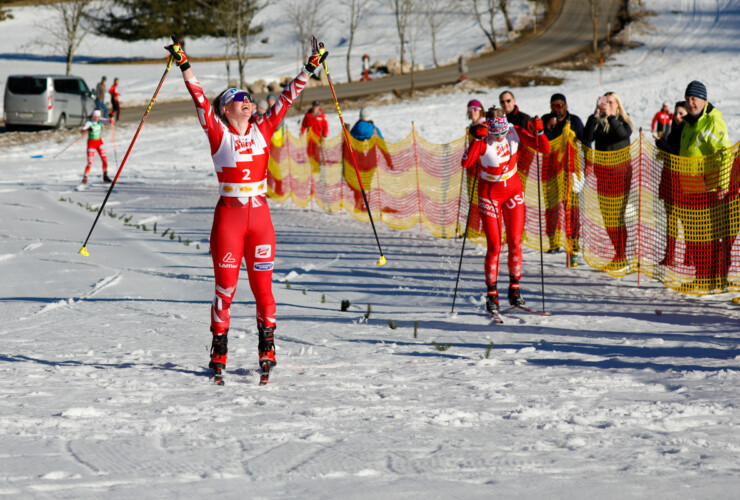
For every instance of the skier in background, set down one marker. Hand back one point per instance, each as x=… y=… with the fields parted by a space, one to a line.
x=242 y=226
x=94 y=126
x=115 y=103
x=662 y=121
x=500 y=194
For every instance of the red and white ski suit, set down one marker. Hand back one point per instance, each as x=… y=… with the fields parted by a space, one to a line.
x=242 y=227
x=500 y=195
x=95 y=143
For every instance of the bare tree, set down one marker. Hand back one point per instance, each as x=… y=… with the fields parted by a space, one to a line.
x=484 y=16
x=402 y=13
x=437 y=15
x=595 y=19
x=358 y=12
x=415 y=27
x=236 y=18
x=71 y=22
x=504 y=7
x=308 y=19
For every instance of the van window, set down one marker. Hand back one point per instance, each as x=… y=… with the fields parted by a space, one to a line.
x=83 y=87
x=26 y=85
x=67 y=86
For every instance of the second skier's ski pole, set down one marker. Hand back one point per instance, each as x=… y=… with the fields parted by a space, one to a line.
x=113 y=133
x=465 y=237
x=539 y=217
x=321 y=49
x=83 y=250
x=69 y=146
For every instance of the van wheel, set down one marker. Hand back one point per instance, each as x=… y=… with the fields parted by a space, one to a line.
x=62 y=123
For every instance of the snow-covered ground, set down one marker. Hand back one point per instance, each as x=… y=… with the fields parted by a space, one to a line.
x=626 y=391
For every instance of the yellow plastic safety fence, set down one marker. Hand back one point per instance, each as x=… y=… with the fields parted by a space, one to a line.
x=634 y=210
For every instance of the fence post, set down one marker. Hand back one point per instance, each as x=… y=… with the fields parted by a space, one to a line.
x=377 y=173
x=290 y=174
x=418 y=185
x=639 y=211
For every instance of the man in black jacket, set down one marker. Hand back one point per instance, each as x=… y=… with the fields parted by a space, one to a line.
x=513 y=115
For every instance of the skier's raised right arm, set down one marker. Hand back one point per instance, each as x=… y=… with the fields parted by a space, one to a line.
x=178 y=54
x=211 y=125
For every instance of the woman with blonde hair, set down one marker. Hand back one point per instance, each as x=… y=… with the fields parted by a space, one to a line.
x=610 y=128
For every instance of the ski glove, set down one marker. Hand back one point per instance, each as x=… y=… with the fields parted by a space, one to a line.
x=178 y=54
x=535 y=126
x=480 y=131
x=315 y=60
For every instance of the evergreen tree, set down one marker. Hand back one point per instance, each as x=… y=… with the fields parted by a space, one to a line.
x=132 y=20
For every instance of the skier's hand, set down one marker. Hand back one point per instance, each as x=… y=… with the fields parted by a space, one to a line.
x=535 y=126
x=317 y=56
x=181 y=59
x=480 y=131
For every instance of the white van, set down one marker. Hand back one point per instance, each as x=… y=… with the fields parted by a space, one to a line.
x=41 y=101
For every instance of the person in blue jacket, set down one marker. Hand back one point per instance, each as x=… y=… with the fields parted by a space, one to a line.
x=365 y=128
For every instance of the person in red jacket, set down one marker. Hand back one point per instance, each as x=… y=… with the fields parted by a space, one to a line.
x=662 y=121
x=495 y=150
x=315 y=120
x=242 y=227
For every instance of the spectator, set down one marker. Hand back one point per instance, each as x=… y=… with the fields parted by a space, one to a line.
x=100 y=97
x=262 y=107
x=94 y=128
x=669 y=190
x=315 y=119
x=555 y=122
x=475 y=113
x=364 y=129
x=662 y=121
x=493 y=153
x=114 y=102
x=558 y=116
x=610 y=128
x=513 y=115
x=705 y=133
x=277 y=137
x=670 y=141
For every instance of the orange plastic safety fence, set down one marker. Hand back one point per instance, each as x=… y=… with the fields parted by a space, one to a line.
x=634 y=210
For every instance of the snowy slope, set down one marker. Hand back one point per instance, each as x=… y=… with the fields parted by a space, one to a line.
x=626 y=391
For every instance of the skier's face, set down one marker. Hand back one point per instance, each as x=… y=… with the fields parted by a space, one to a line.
x=238 y=109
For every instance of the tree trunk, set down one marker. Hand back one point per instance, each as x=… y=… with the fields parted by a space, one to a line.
x=505 y=10
x=349 y=52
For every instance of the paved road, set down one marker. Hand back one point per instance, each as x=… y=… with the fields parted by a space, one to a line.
x=569 y=33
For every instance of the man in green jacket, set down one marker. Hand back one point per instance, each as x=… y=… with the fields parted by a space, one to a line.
x=705 y=135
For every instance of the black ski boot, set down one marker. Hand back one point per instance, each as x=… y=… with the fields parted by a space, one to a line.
x=106 y=179
x=266 y=346
x=515 y=295
x=266 y=349
x=492 y=299
x=219 y=349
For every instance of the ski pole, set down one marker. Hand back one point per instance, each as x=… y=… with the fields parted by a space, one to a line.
x=83 y=250
x=465 y=237
x=113 y=133
x=69 y=146
x=381 y=260
x=539 y=217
